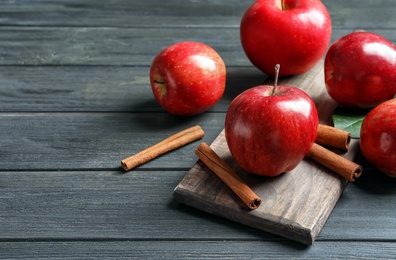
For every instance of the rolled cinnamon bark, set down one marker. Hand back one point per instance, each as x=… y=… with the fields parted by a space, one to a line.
x=344 y=167
x=227 y=175
x=173 y=142
x=333 y=137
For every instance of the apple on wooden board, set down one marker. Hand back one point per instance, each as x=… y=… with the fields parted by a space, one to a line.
x=270 y=129
x=360 y=70
x=378 y=137
x=293 y=33
x=187 y=78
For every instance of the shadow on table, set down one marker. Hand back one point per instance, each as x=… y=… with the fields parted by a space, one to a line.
x=372 y=181
x=240 y=79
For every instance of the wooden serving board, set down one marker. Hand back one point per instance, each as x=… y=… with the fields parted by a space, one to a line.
x=295 y=204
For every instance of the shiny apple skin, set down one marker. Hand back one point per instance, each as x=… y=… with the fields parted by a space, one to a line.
x=271 y=134
x=296 y=38
x=360 y=70
x=378 y=137
x=188 y=78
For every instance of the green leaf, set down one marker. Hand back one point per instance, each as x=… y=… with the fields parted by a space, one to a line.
x=349 y=119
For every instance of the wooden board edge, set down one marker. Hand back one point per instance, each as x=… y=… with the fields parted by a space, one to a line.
x=282 y=229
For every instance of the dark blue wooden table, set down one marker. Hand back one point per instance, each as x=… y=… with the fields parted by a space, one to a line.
x=75 y=99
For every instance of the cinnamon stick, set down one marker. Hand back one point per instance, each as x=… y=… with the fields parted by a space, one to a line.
x=227 y=175
x=333 y=137
x=344 y=167
x=171 y=143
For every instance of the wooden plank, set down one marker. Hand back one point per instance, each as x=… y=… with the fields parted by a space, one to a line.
x=118 y=46
x=107 y=46
x=196 y=250
x=112 y=206
x=171 y=13
x=123 y=13
x=108 y=205
x=296 y=204
x=33 y=141
x=97 y=88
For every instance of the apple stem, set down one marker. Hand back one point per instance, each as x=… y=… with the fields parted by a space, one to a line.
x=283 y=4
x=158 y=82
x=277 y=68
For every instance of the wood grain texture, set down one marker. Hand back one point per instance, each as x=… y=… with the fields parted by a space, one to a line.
x=175 y=13
x=45 y=46
x=196 y=250
x=95 y=140
x=98 y=88
x=295 y=204
x=107 y=205
x=103 y=205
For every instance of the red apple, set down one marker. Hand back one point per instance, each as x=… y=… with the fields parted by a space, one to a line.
x=269 y=130
x=360 y=70
x=293 y=33
x=187 y=78
x=378 y=137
